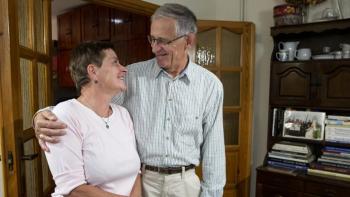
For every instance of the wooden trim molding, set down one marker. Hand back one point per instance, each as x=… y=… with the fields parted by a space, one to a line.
x=135 y=6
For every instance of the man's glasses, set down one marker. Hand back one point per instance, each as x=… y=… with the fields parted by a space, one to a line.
x=162 y=41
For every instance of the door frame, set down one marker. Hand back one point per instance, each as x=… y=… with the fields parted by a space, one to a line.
x=10 y=86
x=8 y=58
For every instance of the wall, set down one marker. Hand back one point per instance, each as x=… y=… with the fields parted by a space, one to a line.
x=260 y=12
x=209 y=9
x=54 y=27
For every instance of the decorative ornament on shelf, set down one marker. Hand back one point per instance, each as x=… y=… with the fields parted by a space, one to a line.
x=304 y=6
x=304 y=2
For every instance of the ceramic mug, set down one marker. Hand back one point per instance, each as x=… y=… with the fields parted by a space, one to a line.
x=282 y=55
x=346 y=54
x=290 y=46
x=338 y=54
x=303 y=54
x=345 y=47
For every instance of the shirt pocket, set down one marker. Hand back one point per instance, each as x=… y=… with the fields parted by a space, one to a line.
x=191 y=129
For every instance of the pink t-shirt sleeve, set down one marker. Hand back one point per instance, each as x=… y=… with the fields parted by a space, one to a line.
x=65 y=158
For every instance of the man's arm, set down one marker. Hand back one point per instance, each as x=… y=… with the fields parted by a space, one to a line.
x=47 y=128
x=213 y=149
x=90 y=191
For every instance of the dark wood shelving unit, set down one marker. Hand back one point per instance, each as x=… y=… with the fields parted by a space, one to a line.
x=312 y=85
x=317 y=27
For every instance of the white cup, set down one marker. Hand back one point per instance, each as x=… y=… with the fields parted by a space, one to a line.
x=290 y=47
x=345 y=47
x=282 y=55
x=346 y=54
x=338 y=54
x=303 y=54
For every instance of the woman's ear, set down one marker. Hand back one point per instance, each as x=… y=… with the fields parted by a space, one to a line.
x=91 y=71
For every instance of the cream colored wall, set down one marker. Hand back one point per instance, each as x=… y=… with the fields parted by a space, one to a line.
x=54 y=28
x=209 y=9
x=260 y=13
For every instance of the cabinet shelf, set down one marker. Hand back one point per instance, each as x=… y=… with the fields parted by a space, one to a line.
x=316 y=27
x=326 y=62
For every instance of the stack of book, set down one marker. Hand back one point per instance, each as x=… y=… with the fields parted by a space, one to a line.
x=337 y=129
x=334 y=163
x=290 y=155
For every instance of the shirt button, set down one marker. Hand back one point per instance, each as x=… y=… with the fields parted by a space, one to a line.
x=168 y=119
x=170 y=99
x=166 y=155
x=167 y=138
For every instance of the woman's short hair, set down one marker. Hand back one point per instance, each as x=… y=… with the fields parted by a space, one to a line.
x=84 y=54
x=186 y=21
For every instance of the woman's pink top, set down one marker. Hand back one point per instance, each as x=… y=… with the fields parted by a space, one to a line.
x=90 y=153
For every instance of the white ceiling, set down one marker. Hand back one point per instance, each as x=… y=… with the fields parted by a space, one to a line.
x=60 y=6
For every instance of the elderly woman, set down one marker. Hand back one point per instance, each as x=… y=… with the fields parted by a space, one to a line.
x=97 y=156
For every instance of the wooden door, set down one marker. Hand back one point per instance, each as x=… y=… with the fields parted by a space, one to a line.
x=25 y=37
x=227 y=49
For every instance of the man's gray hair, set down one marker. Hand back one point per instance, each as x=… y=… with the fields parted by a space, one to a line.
x=186 y=21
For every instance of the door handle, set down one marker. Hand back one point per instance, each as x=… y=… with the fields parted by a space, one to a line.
x=10 y=160
x=30 y=156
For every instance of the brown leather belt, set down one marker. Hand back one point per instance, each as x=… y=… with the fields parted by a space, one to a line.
x=168 y=170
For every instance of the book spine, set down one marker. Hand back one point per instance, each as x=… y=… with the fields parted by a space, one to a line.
x=335 y=117
x=334 y=164
x=290 y=157
x=289 y=154
x=347 y=160
x=319 y=166
x=336 y=154
x=337 y=149
x=286 y=165
x=280 y=122
x=274 y=121
x=337 y=134
x=288 y=161
x=337 y=122
x=338 y=165
x=290 y=148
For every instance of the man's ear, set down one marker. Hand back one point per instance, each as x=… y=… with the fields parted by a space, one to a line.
x=191 y=40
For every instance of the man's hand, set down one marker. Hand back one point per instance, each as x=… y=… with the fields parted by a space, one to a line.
x=48 y=128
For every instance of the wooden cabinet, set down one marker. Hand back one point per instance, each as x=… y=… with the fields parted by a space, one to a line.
x=69 y=33
x=315 y=85
x=127 y=31
x=310 y=84
x=129 y=35
x=95 y=22
x=274 y=184
x=64 y=78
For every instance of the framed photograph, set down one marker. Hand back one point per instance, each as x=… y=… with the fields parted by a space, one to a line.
x=304 y=124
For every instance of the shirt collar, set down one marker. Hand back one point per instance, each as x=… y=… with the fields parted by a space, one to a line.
x=188 y=72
